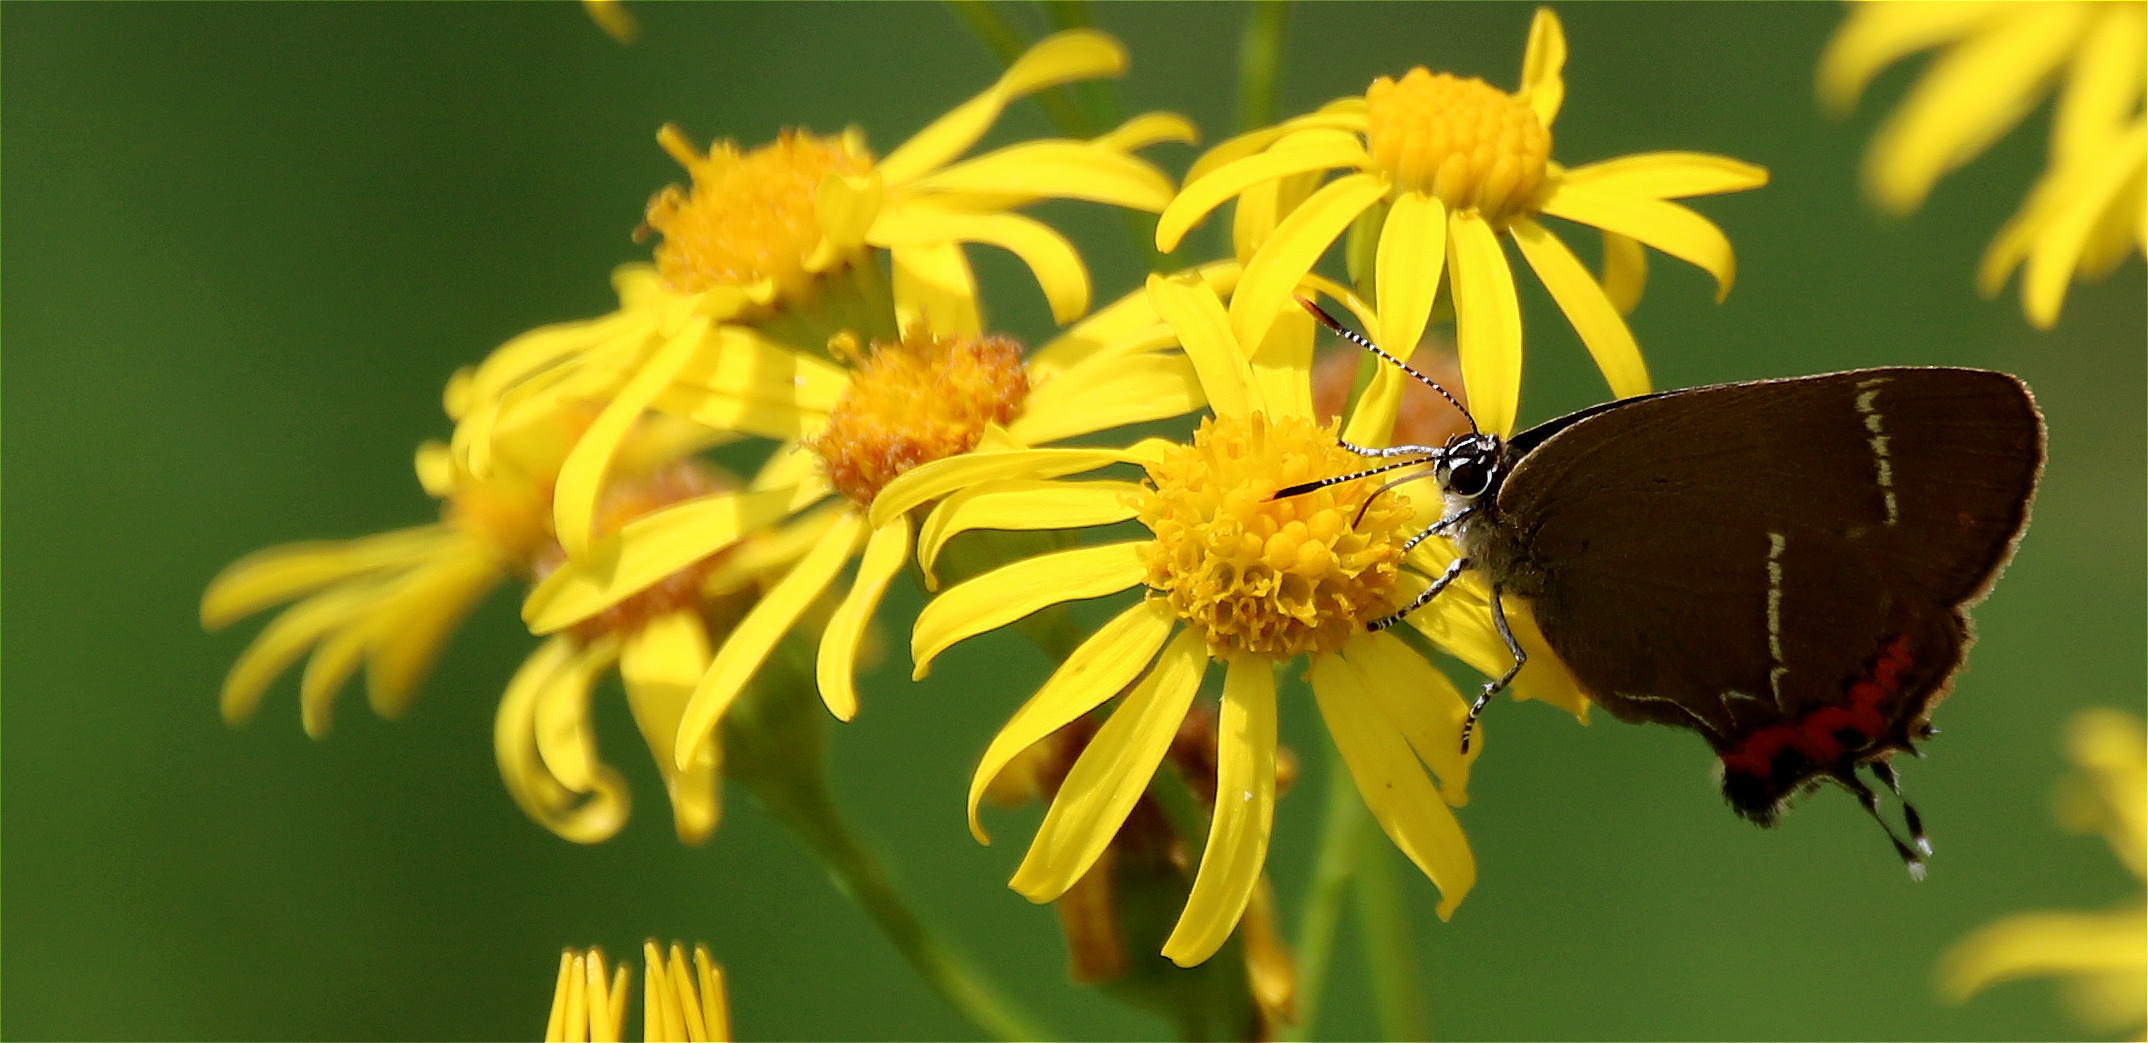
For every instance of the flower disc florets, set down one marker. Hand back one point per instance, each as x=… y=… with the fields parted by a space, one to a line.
x=750 y=218
x=1280 y=577
x=923 y=398
x=1464 y=141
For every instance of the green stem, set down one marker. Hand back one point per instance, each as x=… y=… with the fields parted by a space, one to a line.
x=1383 y=928
x=859 y=875
x=1260 y=63
x=1342 y=819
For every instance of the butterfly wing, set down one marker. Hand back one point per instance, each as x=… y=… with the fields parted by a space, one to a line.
x=1774 y=562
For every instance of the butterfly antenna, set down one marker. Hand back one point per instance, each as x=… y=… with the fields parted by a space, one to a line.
x=1362 y=341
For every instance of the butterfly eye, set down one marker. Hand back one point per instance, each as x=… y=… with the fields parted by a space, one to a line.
x=1468 y=477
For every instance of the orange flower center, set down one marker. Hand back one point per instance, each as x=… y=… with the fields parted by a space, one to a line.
x=749 y=218
x=920 y=399
x=1471 y=144
x=1275 y=578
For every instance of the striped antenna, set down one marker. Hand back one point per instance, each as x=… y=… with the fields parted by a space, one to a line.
x=1362 y=341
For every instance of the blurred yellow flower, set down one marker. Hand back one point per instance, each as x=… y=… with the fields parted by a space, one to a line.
x=930 y=395
x=679 y=1002
x=787 y=242
x=1441 y=168
x=2086 y=213
x=1241 y=579
x=391 y=601
x=2102 y=956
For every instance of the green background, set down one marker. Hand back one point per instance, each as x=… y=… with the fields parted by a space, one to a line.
x=244 y=245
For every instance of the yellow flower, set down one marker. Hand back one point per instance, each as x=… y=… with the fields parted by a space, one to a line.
x=2105 y=955
x=1442 y=167
x=1241 y=579
x=391 y=601
x=789 y=240
x=679 y=1002
x=930 y=395
x=2086 y=212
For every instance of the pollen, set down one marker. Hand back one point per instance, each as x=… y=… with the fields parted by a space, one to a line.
x=1271 y=577
x=750 y=218
x=1465 y=141
x=920 y=399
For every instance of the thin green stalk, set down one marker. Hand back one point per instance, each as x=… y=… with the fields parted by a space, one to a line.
x=1383 y=928
x=1342 y=819
x=857 y=872
x=1260 y=63
x=774 y=744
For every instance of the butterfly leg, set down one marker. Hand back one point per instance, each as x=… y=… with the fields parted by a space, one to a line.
x=1870 y=803
x=1492 y=688
x=1454 y=569
x=1884 y=772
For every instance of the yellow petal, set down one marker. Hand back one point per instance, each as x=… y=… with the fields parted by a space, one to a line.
x=1218 y=186
x=755 y=637
x=1008 y=593
x=548 y=346
x=1283 y=365
x=1024 y=504
x=659 y=665
x=1666 y=226
x=745 y=363
x=1273 y=273
x=1875 y=36
x=1130 y=391
x=749 y=416
x=1245 y=810
x=2044 y=944
x=1112 y=773
x=280 y=643
x=836 y=663
x=581 y=476
x=2058 y=246
x=1204 y=331
x=570 y=815
x=1968 y=96
x=1149 y=128
x=1625 y=271
x=1050 y=257
x=1096 y=670
x=1586 y=306
x=1459 y=621
x=646 y=550
x=1413 y=247
x=846 y=206
x=1542 y=84
x=2104 y=85
x=561 y=717
x=1422 y=704
x=1078 y=54
x=927 y=482
x=331 y=664
x=278 y=574
x=1057 y=169
x=1487 y=321
x=1345 y=114
x=934 y=285
x=426 y=612
x=1394 y=785
x=1668 y=175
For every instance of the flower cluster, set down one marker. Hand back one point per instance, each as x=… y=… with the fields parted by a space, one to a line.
x=811 y=304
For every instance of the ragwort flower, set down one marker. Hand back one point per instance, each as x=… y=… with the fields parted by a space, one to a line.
x=788 y=241
x=1442 y=168
x=1230 y=576
x=931 y=394
x=2103 y=956
x=2088 y=211
x=390 y=602
x=679 y=1002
